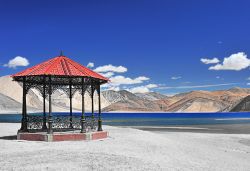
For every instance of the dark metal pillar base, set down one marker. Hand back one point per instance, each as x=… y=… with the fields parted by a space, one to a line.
x=50 y=121
x=83 y=125
x=24 y=126
x=99 y=125
x=44 y=128
x=44 y=124
x=92 y=123
x=71 y=125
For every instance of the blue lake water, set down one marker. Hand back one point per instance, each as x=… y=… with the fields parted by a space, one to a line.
x=158 y=119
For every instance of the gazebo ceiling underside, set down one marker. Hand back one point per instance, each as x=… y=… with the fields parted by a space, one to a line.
x=59 y=80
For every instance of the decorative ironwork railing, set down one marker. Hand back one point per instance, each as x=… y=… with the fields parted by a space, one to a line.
x=91 y=123
x=63 y=122
x=60 y=123
x=34 y=122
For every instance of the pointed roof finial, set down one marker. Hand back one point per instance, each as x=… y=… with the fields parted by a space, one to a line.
x=61 y=53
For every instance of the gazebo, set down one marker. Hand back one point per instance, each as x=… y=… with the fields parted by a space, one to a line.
x=69 y=76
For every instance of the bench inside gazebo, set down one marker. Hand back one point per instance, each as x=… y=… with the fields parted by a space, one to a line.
x=69 y=76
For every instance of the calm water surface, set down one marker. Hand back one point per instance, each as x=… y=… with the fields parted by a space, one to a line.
x=157 y=119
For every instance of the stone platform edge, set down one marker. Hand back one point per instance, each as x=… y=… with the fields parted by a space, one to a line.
x=62 y=136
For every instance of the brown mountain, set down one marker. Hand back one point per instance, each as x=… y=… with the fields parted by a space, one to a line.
x=205 y=101
x=60 y=102
x=194 y=101
x=131 y=102
x=243 y=105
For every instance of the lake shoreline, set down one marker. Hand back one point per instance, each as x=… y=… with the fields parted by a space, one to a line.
x=213 y=129
x=213 y=122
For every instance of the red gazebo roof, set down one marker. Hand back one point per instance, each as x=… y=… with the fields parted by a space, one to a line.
x=60 y=66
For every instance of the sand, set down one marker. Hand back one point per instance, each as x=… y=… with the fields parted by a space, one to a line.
x=128 y=149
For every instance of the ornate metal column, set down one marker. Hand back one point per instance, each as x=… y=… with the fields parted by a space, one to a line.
x=99 y=108
x=24 y=108
x=92 y=105
x=83 y=122
x=50 y=120
x=44 y=104
x=70 y=101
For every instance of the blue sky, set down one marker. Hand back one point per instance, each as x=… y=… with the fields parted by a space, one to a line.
x=160 y=43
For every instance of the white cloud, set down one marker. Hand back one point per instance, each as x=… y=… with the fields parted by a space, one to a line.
x=139 y=89
x=107 y=74
x=17 y=61
x=90 y=65
x=210 y=61
x=176 y=77
x=198 y=86
x=114 y=88
x=111 y=68
x=236 y=62
x=110 y=86
x=142 y=89
x=151 y=86
x=142 y=78
x=248 y=78
x=248 y=84
x=218 y=77
x=119 y=79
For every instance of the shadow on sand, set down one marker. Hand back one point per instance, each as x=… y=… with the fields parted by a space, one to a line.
x=11 y=137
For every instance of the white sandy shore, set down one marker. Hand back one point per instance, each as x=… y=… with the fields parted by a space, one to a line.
x=128 y=149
